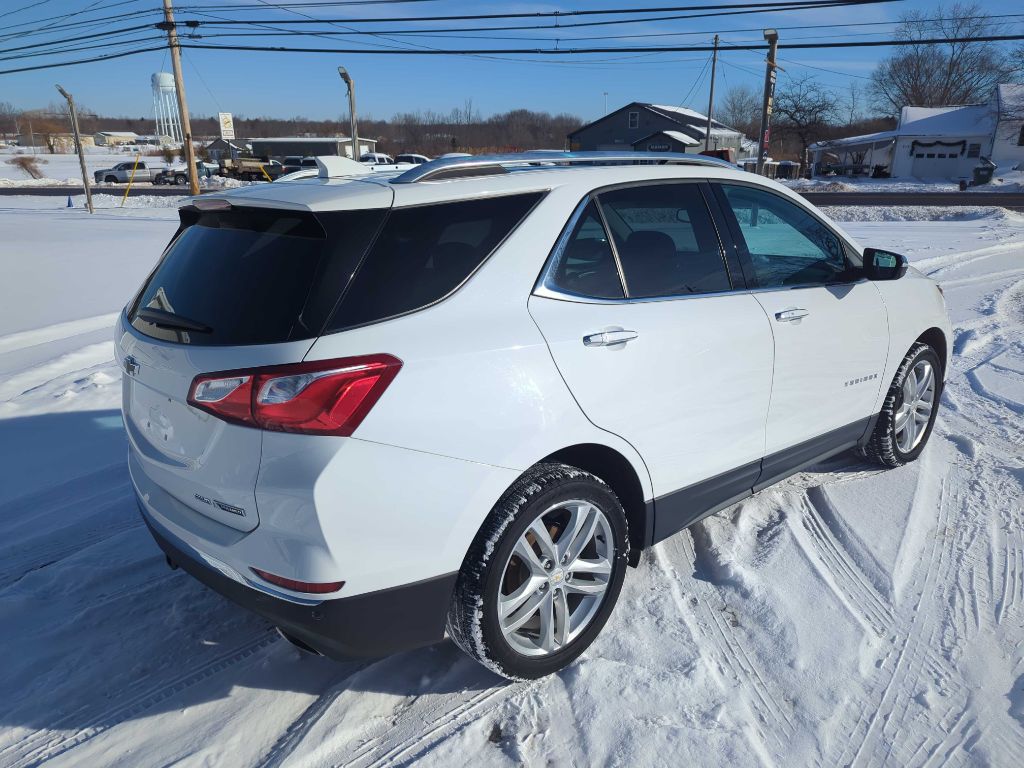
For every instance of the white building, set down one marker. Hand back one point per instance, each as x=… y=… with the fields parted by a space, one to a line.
x=935 y=142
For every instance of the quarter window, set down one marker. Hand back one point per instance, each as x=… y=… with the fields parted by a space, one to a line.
x=423 y=253
x=585 y=265
x=665 y=239
x=786 y=245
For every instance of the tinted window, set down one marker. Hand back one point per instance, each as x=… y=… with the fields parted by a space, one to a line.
x=786 y=244
x=585 y=265
x=666 y=241
x=255 y=277
x=423 y=253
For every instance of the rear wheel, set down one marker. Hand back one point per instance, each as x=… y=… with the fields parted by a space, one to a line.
x=543 y=574
x=909 y=410
x=180 y=180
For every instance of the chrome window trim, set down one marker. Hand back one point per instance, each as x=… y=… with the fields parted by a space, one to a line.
x=546 y=292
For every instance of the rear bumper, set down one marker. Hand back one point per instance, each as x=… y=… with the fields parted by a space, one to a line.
x=372 y=624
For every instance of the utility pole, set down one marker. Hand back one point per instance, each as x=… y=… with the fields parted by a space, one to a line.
x=353 y=128
x=78 y=145
x=772 y=36
x=179 y=87
x=711 y=96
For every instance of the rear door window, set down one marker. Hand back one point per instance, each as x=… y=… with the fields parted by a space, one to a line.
x=423 y=253
x=252 y=276
x=666 y=240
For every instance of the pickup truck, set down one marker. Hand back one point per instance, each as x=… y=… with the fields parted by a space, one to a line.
x=250 y=169
x=179 y=175
x=122 y=172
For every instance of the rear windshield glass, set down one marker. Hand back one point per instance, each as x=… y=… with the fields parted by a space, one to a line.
x=252 y=277
x=424 y=253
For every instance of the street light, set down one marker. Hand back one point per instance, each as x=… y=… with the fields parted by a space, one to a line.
x=353 y=129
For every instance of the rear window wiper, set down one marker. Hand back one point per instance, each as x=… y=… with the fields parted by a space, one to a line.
x=163 y=319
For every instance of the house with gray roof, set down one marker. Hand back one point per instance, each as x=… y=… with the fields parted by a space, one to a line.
x=656 y=128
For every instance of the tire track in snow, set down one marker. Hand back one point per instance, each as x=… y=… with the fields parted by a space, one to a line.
x=285 y=746
x=838 y=570
x=111 y=512
x=771 y=724
x=427 y=720
x=44 y=745
x=923 y=693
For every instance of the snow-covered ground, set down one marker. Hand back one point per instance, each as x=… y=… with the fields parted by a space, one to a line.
x=1005 y=180
x=65 y=169
x=848 y=616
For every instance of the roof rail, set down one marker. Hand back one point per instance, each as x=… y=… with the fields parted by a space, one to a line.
x=492 y=165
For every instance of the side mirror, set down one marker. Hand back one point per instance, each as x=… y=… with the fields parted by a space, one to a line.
x=884 y=265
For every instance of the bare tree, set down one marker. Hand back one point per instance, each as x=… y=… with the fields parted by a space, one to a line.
x=740 y=109
x=804 y=110
x=937 y=74
x=8 y=118
x=853 y=103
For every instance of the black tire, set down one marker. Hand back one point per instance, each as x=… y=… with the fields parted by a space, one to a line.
x=882 y=447
x=473 y=616
x=180 y=181
x=111 y=180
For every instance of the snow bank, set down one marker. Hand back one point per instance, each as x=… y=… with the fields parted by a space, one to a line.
x=912 y=212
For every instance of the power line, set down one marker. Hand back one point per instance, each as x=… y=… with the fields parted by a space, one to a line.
x=621 y=49
x=796 y=4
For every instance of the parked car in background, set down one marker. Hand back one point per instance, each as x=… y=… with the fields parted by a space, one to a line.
x=122 y=172
x=377 y=158
x=458 y=400
x=412 y=159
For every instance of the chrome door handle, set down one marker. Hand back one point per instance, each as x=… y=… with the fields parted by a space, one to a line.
x=789 y=315
x=609 y=338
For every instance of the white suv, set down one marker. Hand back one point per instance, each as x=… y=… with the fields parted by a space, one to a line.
x=379 y=408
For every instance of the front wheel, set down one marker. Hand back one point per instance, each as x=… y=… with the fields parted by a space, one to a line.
x=542 y=575
x=180 y=180
x=909 y=410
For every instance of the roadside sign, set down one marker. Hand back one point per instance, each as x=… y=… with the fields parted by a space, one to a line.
x=227 y=126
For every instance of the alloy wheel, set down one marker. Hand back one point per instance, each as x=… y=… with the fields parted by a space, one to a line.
x=913 y=415
x=556 y=577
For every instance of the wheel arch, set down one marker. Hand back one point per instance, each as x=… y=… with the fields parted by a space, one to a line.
x=622 y=477
x=935 y=338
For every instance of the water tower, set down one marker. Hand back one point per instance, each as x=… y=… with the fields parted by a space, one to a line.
x=165 y=107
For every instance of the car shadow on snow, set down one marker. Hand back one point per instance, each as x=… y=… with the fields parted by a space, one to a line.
x=97 y=630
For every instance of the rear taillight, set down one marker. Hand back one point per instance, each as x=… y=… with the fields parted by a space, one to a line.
x=325 y=397
x=310 y=587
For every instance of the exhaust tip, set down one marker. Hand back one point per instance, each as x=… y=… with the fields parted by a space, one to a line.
x=302 y=646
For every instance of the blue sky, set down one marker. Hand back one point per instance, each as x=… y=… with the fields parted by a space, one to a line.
x=288 y=84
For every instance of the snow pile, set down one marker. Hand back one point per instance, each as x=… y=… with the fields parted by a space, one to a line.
x=1005 y=180
x=911 y=212
x=849 y=616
